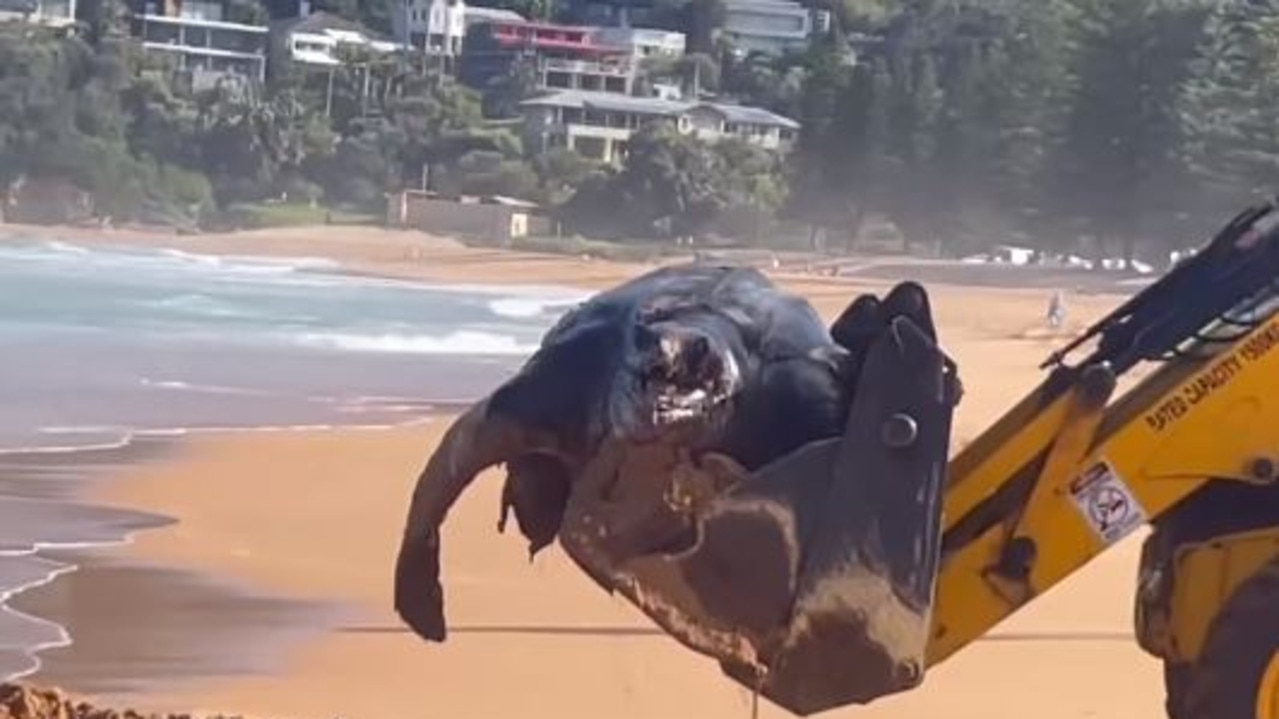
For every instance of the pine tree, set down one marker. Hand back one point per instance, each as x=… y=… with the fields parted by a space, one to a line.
x=1230 y=106
x=1114 y=169
x=1023 y=100
x=835 y=160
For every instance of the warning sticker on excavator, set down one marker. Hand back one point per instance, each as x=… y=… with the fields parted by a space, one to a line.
x=1106 y=502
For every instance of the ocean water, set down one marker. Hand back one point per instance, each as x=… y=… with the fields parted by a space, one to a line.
x=104 y=349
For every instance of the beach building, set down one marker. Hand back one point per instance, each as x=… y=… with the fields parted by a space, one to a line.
x=599 y=125
x=493 y=218
x=207 y=44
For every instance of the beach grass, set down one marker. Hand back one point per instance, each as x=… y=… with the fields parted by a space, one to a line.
x=297 y=214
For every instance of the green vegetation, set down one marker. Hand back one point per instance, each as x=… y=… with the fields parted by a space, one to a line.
x=293 y=214
x=1085 y=126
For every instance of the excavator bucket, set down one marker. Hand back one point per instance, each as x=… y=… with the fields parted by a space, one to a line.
x=812 y=580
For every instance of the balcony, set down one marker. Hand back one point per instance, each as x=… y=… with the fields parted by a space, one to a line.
x=210 y=37
x=585 y=67
x=525 y=34
x=207 y=50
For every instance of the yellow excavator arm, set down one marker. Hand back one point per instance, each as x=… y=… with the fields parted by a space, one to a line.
x=1192 y=450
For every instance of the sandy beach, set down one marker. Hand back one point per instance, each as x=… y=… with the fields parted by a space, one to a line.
x=306 y=524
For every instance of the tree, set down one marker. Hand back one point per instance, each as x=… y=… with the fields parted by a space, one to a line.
x=693 y=72
x=775 y=83
x=1024 y=100
x=754 y=184
x=486 y=172
x=505 y=92
x=103 y=18
x=671 y=185
x=834 y=167
x=1121 y=136
x=560 y=171
x=65 y=115
x=701 y=19
x=1229 y=107
x=947 y=149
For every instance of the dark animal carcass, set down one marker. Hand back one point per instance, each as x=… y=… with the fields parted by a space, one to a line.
x=766 y=489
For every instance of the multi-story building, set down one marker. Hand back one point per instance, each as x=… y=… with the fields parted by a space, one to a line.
x=773 y=27
x=206 y=45
x=564 y=56
x=439 y=27
x=643 y=42
x=54 y=13
x=434 y=26
x=599 y=125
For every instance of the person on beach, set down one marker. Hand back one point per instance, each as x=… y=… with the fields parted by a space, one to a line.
x=1056 y=310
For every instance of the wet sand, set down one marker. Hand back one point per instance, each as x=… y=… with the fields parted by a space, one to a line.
x=139 y=625
x=298 y=525
x=41 y=503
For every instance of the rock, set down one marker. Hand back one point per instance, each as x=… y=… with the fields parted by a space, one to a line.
x=21 y=701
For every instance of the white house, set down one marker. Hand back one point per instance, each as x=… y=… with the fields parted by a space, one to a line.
x=599 y=124
x=440 y=26
x=643 y=42
x=716 y=120
x=435 y=26
x=316 y=38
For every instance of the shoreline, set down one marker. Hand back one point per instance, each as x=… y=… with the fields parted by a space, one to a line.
x=51 y=486
x=346 y=490
x=418 y=256
x=392 y=254
x=89 y=475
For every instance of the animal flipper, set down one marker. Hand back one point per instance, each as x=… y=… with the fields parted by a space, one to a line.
x=537 y=490
x=475 y=441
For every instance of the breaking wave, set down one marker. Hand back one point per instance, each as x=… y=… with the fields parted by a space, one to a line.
x=460 y=342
